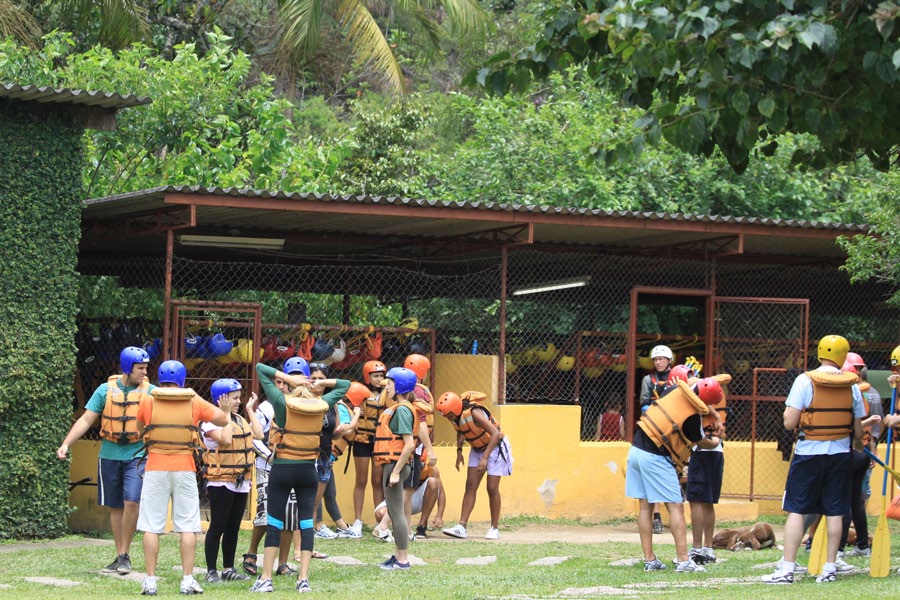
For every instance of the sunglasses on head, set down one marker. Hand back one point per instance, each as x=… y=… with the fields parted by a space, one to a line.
x=318 y=367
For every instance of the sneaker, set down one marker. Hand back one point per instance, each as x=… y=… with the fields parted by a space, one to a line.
x=779 y=578
x=798 y=568
x=492 y=534
x=213 y=577
x=421 y=533
x=232 y=575
x=191 y=587
x=324 y=533
x=689 y=566
x=303 y=586
x=457 y=531
x=389 y=563
x=654 y=565
x=112 y=567
x=395 y=566
x=148 y=588
x=286 y=569
x=124 y=567
x=827 y=577
x=863 y=552
x=357 y=527
x=348 y=532
x=262 y=585
x=696 y=555
x=657 y=526
x=841 y=566
x=385 y=536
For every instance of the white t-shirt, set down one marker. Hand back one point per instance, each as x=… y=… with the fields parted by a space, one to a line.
x=265 y=412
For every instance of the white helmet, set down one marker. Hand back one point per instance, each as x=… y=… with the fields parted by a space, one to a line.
x=662 y=351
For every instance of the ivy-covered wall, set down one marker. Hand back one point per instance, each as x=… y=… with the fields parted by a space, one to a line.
x=40 y=194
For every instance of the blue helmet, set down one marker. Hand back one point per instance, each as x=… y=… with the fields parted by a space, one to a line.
x=404 y=380
x=172 y=371
x=220 y=387
x=295 y=364
x=130 y=356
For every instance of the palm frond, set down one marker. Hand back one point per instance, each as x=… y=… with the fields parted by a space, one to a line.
x=465 y=17
x=18 y=23
x=302 y=23
x=369 y=42
x=121 y=21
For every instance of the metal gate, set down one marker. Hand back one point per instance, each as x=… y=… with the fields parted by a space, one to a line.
x=762 y=343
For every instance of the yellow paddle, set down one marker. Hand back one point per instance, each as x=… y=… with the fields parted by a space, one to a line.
x=819 y=548
x=880 y=565
x=894 y=473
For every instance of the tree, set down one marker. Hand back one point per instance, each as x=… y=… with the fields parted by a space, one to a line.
x=729 y=74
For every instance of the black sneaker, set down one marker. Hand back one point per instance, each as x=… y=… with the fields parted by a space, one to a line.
x=421 y=533
x=657 y=526
x=232 y=575
x=213 y=577
x=112 y=567
x=124 y=567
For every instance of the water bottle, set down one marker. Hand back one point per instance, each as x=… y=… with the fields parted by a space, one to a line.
x=475 y=347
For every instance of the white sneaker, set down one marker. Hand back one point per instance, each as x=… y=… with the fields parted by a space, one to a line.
x=357 y=527
x=385 y=536
x=689 y=566
x=492 y=534
x=148 y=587
x=840 y=566
x=325 y=533
x=457 y=531
x=191 y=587
x=348 y=532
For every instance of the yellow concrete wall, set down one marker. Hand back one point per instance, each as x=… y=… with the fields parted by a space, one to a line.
x=88 y=515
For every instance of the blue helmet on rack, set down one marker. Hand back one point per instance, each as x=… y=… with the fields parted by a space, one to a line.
x=220 y=387
x=404 y=380
x=130 y=356
x=296 y=364
x=172 y=371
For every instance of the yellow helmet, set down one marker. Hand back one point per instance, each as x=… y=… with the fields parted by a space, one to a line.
x=834 y=348
x=895 y=358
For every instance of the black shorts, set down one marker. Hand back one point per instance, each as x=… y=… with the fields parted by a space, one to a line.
x=819 y=484
x=704 y=482
x=363 y=449
x=415 y=474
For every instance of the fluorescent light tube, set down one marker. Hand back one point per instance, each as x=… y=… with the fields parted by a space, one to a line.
x=552 y=286
x=221 y=241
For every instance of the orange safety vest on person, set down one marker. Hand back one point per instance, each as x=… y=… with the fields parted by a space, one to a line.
x=368 y=420
x=389 y=445
x=232 y=463
x=664 y=421
x=300 y=437
x=118 y=423
x=477 y=437
x=171 y=429
x=865 y=386
x=830 y=414
x=424 y=409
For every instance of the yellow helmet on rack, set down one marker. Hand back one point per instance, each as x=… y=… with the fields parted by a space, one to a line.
x=834 y=348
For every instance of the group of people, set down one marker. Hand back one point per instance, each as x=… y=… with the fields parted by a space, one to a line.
x=156 y=438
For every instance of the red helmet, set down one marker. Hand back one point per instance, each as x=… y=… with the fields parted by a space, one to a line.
x=357 y=393
x=678 y=372
x=373 y=366
x=449 y=403
x=854 y=361
x=418 y=364
x=710 y=390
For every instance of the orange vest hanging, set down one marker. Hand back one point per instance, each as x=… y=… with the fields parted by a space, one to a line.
x=232 y=463
x=368 y=421
x=830 y=414
x=171 y=429
x=299 y=439
x=478 y=437
x=118 y=423
x=663 y=421
x=389 y=445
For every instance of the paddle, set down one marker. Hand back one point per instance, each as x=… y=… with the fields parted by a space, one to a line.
x=894 y=473
x=880 y=565
x=819 y=548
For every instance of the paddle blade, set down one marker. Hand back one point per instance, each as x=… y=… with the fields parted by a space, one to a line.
x=819 y=548
x=880 y=566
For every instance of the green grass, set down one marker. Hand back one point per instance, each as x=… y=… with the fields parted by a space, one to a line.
x=441 y=577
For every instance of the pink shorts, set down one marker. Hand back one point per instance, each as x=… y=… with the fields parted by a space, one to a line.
x=500 y=461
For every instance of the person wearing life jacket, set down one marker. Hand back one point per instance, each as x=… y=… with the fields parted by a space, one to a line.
x=119 y=465
x=490 y=453
x=373 y=373
x=610 y=422
x=394 y=448
x=295 y=440
x=662 y=444
x=170 y=419
x=652 y=387
x=827 y=407
x=229 y=463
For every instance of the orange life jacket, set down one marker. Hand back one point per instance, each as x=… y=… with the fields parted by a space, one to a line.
x=232 y=463
x=830 y=414
x=171 y=429
x=118 y=422
x=368 y=420
x=477 y=437
x=389 y=445
x=300 y=437
x=721 y=408
x=664 y=421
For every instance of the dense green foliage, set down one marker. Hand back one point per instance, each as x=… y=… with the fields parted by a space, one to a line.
x=41 y=189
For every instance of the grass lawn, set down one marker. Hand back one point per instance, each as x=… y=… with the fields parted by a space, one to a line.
x=587 y=574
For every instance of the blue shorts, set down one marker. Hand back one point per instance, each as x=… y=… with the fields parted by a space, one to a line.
x=119 y=481
x=704 y=482
x=324 y=469
x=651 y=477
x=818 y=484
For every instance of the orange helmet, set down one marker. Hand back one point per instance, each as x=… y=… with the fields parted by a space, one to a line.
x=373 y=366
x=710 y=390
x=357 y=393
x=449 y=403
x=418 y=364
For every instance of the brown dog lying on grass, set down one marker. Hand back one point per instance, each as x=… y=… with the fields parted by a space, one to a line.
x=752 y=537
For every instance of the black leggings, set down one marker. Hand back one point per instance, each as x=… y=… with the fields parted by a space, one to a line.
x=302 y=478
x=226 y=510
x=859 y=462
x=331 y=505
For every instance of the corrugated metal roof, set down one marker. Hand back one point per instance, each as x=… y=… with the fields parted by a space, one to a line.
x=47 y=95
